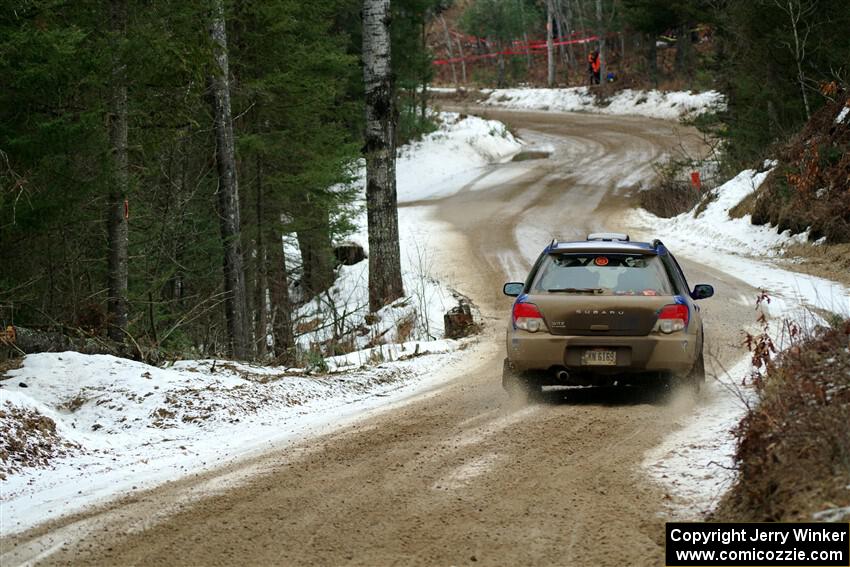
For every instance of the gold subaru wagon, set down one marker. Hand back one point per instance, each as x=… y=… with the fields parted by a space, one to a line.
x=604 y=311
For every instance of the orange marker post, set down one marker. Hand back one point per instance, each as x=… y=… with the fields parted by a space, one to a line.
x=695 y=181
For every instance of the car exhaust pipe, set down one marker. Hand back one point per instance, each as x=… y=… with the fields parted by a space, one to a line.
x=562 y=375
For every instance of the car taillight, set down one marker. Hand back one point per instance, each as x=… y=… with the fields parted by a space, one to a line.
x=528 y=318
x=673 y=318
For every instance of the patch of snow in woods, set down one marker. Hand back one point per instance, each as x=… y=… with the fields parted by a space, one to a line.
x=652 y=104
x=695 y=462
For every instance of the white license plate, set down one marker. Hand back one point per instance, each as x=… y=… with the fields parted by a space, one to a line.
x=599 y=358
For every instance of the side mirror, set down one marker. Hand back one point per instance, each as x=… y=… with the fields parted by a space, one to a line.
x=513 y=289
x=702 y=291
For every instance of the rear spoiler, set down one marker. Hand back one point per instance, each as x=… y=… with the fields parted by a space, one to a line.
x=606 y=247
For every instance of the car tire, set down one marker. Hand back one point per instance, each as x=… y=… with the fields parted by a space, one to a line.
x=696 y=377
x=518 y=387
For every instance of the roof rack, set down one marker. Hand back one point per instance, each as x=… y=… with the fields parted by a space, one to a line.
x=608 y=236
x=656 y=243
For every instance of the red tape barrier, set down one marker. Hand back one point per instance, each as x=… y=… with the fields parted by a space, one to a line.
x=532 y=48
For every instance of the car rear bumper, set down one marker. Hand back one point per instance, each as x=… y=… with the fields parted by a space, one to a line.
x=674 y=353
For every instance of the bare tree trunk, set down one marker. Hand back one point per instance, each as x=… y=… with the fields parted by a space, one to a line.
x=261 y=285
x=569 y=22
x=797 y=10
x=582 y=17
x=449 y=48
x=118 y=229
x=462 y=61
x=560 y=33
x=284 y=340
x=600 y=22
x=550 y=45
x=528 y=61
x=385 y=283
x=652 y=58
x=500 y=62
x=683 y=47
x=236 y=303
x=622 y=51
x=314 y=242
x=424 y=101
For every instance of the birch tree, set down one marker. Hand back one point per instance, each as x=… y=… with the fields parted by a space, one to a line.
x=550 y=44
x=449 y=48
x=236 y=310
x=600 y=23
x=118 y=231
x=798 y=11
x=385 y=283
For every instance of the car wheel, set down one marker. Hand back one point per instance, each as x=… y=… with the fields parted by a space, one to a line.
x=516 y=385
x=696 y=377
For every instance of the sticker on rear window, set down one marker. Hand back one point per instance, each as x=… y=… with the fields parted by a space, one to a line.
x=601 y=261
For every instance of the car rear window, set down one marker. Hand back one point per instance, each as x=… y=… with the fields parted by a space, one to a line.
x=603 y=274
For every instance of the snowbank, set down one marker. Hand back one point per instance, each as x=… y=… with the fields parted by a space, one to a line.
x=443 y=162
x=714 y=225
x=738 y=247
x=122 y=425
x=653 y=104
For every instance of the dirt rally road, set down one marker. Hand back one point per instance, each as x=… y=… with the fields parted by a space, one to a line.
x=460 y=475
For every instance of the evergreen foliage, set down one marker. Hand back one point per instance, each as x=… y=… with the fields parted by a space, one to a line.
x=297 y=101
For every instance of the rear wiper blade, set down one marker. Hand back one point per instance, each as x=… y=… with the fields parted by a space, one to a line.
x=576 y=290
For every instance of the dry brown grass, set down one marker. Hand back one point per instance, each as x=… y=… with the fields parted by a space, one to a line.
x=28 y=439
x=745 y=207
x=793 y=451
x=830 y=261
x=810 y=188
x=669 y=198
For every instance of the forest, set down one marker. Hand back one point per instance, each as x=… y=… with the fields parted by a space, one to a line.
x=159 y=159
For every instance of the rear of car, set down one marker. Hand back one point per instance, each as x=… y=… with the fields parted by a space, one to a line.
x=602 y=312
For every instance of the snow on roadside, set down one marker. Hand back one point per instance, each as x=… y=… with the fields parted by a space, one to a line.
x=714 y=225
x=738 y=247
x=124 y=425
x=653 y=104
x=695 y=462
x=445 y=160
